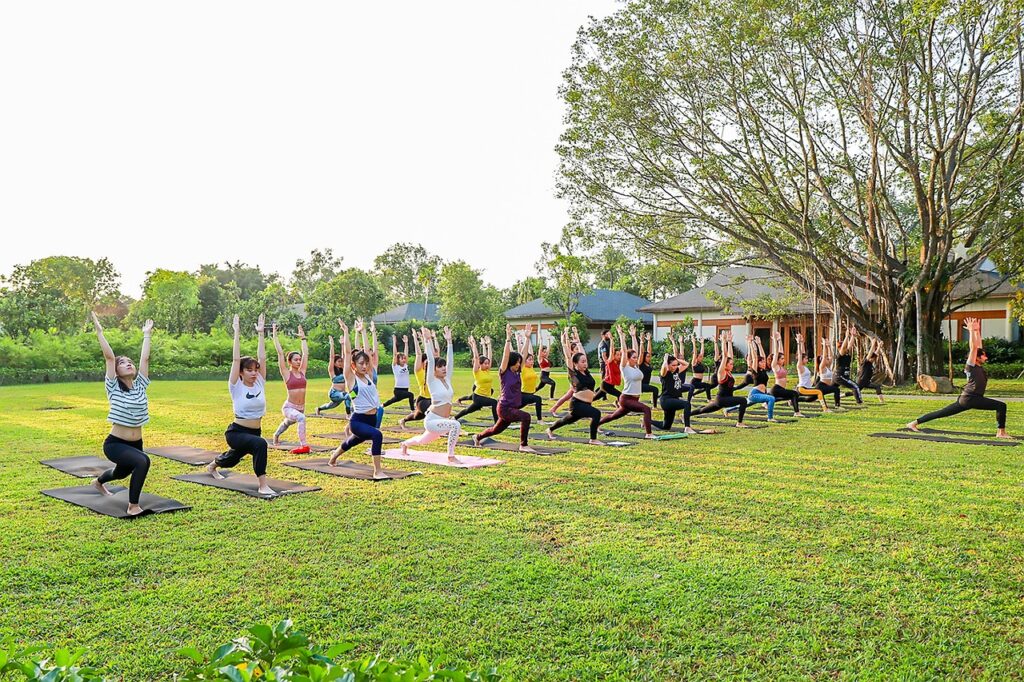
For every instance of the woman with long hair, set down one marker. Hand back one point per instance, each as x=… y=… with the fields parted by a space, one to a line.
x=338 y=393
x=438 y=421
x=779 y=389
x=129 y=410
x=511 y=398
x=629 y=399
x=583 y=385
x=400 y=371
x=805 y=385
x=293 y=371
x=483 y=382
x=726 y=385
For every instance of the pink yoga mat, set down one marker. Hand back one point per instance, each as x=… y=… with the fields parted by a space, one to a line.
x=441 y=459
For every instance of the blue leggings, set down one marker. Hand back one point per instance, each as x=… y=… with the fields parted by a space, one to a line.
x=364 y=428
x=759 y=396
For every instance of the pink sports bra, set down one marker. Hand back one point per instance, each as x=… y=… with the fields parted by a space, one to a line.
x=781 y=373
x=295 y=381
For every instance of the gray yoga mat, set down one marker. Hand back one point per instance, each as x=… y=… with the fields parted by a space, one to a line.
x=971 y=434
x=115 y=505
x=491 y=444
x=573 y=439
x=184 y=454
x=348 y=469
x=246 y=484
x=85 y=466
x=910 y=435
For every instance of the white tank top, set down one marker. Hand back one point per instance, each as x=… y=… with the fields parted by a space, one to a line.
x=401 y=373
x=826 y=374
x=366 y=397
x=633 y=380
x=805 y=377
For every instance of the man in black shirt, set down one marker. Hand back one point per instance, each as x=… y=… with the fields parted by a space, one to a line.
x=973 y=395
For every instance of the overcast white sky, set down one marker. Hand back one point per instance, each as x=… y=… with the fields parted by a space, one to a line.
x=174 y=134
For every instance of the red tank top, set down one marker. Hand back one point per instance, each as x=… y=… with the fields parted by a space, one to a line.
x=295 y=381
x=613 y=373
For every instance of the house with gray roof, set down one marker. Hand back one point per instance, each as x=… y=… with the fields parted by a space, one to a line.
x=601 y=307
x=407 y=312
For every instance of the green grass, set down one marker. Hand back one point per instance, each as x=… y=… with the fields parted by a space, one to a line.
x=803 y=550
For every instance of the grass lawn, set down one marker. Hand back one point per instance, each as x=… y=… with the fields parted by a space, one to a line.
x=802 y=550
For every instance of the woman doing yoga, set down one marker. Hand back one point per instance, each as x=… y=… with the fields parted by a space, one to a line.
x=805 y=385
x=779 y=390
x=646 y=353
x=629 y=399
x=359 y=369
x=973 y=395
x=400 y=370
x=757 y=378
x=438 y=421
x=726 y=385
x=699 y=369
x=247 y=386
x=866 y=372
x=530 y=378
x=420 y=370
x=611 y=379
x=545 y=370
x=826 y=376
x=293 y=371
x=568 y=352
x=844 y=363
x=583 y=384
x=673 y=384
x=129 y=411
x=511 y=398
x=483 y=381
x=338 y=393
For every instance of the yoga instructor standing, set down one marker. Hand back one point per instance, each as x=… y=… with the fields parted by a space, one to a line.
x=129 y=411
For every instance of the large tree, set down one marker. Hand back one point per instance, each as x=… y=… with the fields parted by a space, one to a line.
x=171 y=300
x=349 y=294
x=407 y=272
x=322 y=266
x=467 y=304
x=55 y=293
x=867 y=151
x=249 y=280
x=567 y=275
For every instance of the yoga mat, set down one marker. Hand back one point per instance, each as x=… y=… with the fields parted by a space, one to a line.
x=342 y=416
x=342 y=436
x=288 y=447
x=582 y=441
x=51 y=408
x=490 y=444
x=910 y=435
x=86 y=466
x=732 y=417
x=640 y=435
x=348 y=469
x=441 y=459
x=184 y=454
x=115 y=505
x=958 y=433
x=245 y=483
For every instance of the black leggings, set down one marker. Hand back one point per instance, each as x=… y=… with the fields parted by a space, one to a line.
x=244 y=441
x=606 y=390
x=401 y=394
x=535 y=400
x=699 y=385
x=865 y=384
x=972 y=402
x=648 y=388
x=722 y=402
x=580 y=410
x=850 y=384
x=364 y=428
x=546 y=380
x=129 y=460
x=673 y=405
x=826 y=389
x=479 y=403
x=783 y=393
x=419 y=411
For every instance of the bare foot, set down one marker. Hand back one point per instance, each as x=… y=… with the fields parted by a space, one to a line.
x=773 y=420
x=595 y=442
x=913 y=427
x=554 y=414
x=277 y=441
x=800 y=415
x=689 y=431
x=401 y=425
x=265 y=490
x=476 y=439
x=380 y=475
x=405 y=449
x=881 y=400
x=452 y=459
x=1001 y=433
x=134 y=510
x=101 y=488
x=741 y=425
x=551 y=434
x=527 y=448
x=649 y=436
x=211 y=469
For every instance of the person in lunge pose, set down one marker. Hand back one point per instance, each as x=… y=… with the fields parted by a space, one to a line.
x=483 y=381
x=844 y=363
x=646 y=353
x=629 y=399
x=568 y=352
x=338 y=393
x=973 y=395
x=582 y=394
x=826 y=376
x=805 y=385
x=359 y=368
x=699 y=369
x=866 y=372
x=530 y=378
x=726 y=385
x=247 y=386
x=129 y=411
x=293 y=371
x=673 y=384
x=611 y=378
x=779 y=390
x=420 y=369
x=400 y=370
x=511 y=398
x=757 y=378
x=438 y=421
x=545 y=369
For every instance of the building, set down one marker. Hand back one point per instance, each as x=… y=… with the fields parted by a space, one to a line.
x=714 y=307
x=601 y=307
x=420 y=312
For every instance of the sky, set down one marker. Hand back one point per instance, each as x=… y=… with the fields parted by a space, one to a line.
x=175 y=134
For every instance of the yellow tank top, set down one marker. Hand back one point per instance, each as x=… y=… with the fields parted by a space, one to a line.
x=530 y=379
x=421 y=379
x=483 y=381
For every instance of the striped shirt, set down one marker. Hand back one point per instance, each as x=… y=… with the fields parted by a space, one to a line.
x=128 y=408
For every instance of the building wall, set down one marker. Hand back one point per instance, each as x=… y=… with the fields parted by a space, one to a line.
x=996 y=320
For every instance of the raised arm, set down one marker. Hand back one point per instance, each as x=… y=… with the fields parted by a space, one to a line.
x=394 y=349
x=305 y=350
x=800 y=364
x=844 y=346
x=236 y=352
x=346 y=355
x=974 y=328
x=280 y=353
x=622 y=347
x=405 y=347
x=147 y=338
x=725 y=356
x=528 y=343
x=418 y=363
x=508 y=349
x=374 y=346
x=566 y=345
x=633 y=340
x=330 y=359
x=261 y=345
x=108 y=354
x=474 y=352
x=693 y=354
x=428 y=348
x=449 y=353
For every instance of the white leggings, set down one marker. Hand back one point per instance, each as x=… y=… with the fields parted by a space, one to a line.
x=292 y=415
x=436 y=426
